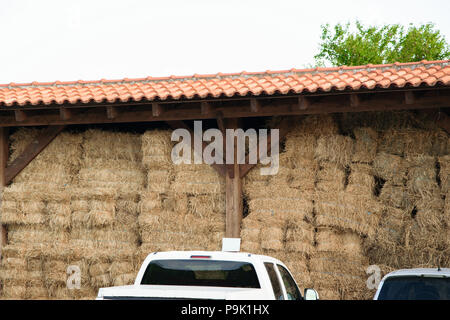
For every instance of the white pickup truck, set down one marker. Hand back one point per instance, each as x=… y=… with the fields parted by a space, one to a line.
x=415 y=284
x=210 y=275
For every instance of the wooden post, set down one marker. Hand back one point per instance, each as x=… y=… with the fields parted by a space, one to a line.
x=234 y=203
x=4 y=153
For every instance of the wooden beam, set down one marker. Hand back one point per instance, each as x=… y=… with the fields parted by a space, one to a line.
x=31 y=151
x=255 y=105
x=111 y=112
x=303 y=103
x=233 y=188
x=190 y=111
x=206 y=107
x=65 y=114
x=20 y=115
x=156 y=109
x=355 y=100
x=409 y=97
x=4 y=154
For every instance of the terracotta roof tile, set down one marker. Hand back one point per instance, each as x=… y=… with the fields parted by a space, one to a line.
x=424 y=73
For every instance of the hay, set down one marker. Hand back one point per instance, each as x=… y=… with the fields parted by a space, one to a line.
x=395 y=196
x=114 y=145
x=366 y=144
x=332 y=240
x=361 y=180
x=390 y=167
x=337 y=261
x=345 y=211
x=335 y=148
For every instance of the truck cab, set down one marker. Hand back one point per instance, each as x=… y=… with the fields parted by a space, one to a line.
x=415 y=284
x=210 y=275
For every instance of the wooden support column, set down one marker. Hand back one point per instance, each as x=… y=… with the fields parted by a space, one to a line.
x=4 y=153
x=234 y=202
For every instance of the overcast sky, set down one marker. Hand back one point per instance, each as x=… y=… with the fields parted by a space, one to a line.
x=50 y=40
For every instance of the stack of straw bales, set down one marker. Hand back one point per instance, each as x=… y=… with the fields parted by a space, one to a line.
x=36 y=210
x=183 y=206
x=105 y=206
x=412 y=163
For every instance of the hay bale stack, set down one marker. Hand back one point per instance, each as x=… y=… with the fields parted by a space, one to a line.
x=338 y=255
x=105 y=207
x=192 y=195
x=36 y=209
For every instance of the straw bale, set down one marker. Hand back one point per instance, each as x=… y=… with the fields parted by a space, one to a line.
x=331 y=172
x=207 y=205
x=281 y=204
x=390 y=167
x=121 y=267
x=331 y=240
x=347 y=212
x=114 y=145
x=337 y=262
x=422 y=181
x=251 y=246
x=97 y=269
x=334 y=148
x=406 y=141
x=255 y=175
x=366 y=144
x=300 y=146
x=272 y=244
x=59 y=215
x=444 y=173
x=25 y=234
x=317 y=125
x=94 y=193
x=157 y=148
x=395 y=196
x=124 y=279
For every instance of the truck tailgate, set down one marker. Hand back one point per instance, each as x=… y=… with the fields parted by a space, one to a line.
x=155 y=292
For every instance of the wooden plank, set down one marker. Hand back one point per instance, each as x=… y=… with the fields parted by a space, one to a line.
x=206 y=107
x=20 y=115
x=280 y=107
x=111 y=112
x=255 y=105
x=65 y=114
x=409 y=97
x=156 y=109
x=31 y=151
x=233 y=189
x=303 y=103
x=355 y=101
x=4 y=154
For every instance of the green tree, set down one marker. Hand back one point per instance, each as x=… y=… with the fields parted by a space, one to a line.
x=380 y=44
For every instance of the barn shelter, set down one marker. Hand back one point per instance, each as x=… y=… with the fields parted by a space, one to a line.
x=88 y=180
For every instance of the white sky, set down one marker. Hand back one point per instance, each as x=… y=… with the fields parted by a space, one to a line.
x=64 y=40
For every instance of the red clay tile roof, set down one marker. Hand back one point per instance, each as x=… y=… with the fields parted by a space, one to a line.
x=294 y=81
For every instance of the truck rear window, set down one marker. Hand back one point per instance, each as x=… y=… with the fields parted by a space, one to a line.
x=415 y=288
x=210 y=273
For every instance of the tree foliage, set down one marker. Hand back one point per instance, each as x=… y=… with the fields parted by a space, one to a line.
x=380 y=44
